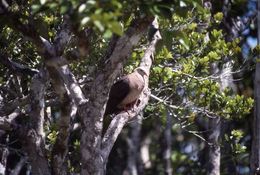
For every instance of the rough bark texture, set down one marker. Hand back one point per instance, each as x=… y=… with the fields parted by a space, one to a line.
x=213 y=166
x=60 y=149
x=92 y=113
x=255 y=151
x=33 y=141
x=94 y=148
x=214 y=124
x=167 y=146
x=19 y=166
x=133 y=142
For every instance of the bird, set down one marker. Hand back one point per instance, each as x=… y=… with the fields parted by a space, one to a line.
x=125 y=93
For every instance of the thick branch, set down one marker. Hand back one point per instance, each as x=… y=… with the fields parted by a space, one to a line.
x=19 y=166
x=6 y=122
x=13 y=20
x=121 y=119
x=10 y=106
x=17 y=68
x=60 y=149
x=118 y=123
x=82 y=37
x=92 y=113
x=62 y=38
x=33 y=141
x=167 y=145
x=134 y=164
x=47 y=50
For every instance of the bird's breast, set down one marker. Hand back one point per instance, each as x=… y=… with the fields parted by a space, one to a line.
x=136 y=88
x=131 y=97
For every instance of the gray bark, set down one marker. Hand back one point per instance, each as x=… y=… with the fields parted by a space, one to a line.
x=92 y=112
x=133 y=142
x=214 y=124
x=94 y=149
x=19 y=166
x=33 y=140
x=60 y=148
x=167 y=146
x=255 y=151
x=213 y=166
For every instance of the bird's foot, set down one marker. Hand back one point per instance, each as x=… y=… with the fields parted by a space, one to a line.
x=130 y=108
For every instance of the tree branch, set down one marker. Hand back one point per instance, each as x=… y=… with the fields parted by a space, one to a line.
x=59 y=68
x=118 y=123
x=19 y=166
x=17 y=68
x=33 y=140
x=60 y=148
x=121 y=119
x=93 y=111
x=204 y=111
x=13 y=20
x=10 y=106
x=6 y=122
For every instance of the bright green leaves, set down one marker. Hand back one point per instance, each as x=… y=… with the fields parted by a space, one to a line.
x=107 y=22
x=218 y=17
x=52 y=137
x=185 y=64
x=235 y=142
x=163 y=54
x=104 y=17
x=164 y=74
x=207 y=93
x=237 y=106
x=216 y=34
x=213 y=56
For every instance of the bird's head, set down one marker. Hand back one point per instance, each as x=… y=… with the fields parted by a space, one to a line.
x=142 y=71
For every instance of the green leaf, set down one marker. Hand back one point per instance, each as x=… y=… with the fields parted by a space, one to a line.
x=36 y=8
x=218 y=17
x=116 y=27
x=85 y=20
x=182 y=38
x=64 y=9
x=99 y=25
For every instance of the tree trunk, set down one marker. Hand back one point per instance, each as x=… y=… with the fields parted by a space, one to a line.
x=95 y=149
x=213 y=166
x=167 y=146
x=33 y=138
x=255 y=151
x=133 y=142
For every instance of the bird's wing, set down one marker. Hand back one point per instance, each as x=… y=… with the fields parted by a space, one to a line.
x=118 y=92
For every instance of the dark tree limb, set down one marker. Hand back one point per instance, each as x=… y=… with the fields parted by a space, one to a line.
x=167 y=146
x=255 y=150
x=19 y=166
x=119 y=120
x=93 y=111
x=117 y=124
x=70 y=35
x=7 y=122
x=17 y=68
x=10 y=106
x=33 y=139
x=134 y=165
x=60 y=149
x=63 y=37
x=51 y=53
